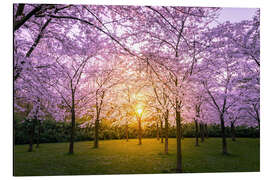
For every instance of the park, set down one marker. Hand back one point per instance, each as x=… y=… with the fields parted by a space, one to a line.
x=102 y=89
x=121 y=157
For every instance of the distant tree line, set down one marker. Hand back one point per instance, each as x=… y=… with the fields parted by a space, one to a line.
x=51 y=131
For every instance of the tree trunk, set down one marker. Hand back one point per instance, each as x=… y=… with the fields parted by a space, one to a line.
x=32 y=134
x=71 y=144
x=14 y=129
x=196 y=133
x=202 y=132
x=232 y=131
x=38 y=136
x=166 y=131
x=223 y=135
x=178 y=139
x=139 y=130
x=96 y=133
x=258 y=118
x=127 y=132
x=157 y=130
x=206 y=130
x=161 y=131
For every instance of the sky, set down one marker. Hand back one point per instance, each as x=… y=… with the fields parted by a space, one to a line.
x=236 y=14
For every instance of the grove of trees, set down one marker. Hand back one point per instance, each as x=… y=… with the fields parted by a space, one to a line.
x=135 y=67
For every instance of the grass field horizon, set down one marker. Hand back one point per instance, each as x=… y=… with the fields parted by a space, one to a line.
x=121 y=157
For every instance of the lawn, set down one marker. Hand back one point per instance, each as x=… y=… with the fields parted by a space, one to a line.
x=121 y=157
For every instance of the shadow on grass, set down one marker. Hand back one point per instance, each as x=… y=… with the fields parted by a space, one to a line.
x=163 y=155
x=229 y=155
x=69 y=154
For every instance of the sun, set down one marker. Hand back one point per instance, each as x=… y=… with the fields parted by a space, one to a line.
x=139 y=111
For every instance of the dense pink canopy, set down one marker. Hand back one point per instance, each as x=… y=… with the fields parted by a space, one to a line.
x=115 y=57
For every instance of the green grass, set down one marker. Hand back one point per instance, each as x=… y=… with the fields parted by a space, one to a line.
x=121 y=157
